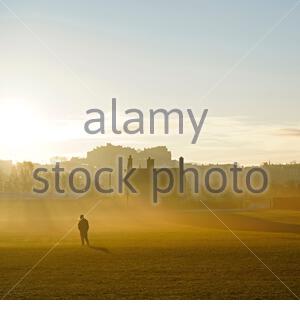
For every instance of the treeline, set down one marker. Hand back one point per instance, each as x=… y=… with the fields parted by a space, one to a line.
x=19 y=179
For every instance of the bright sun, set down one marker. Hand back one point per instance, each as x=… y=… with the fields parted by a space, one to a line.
x=17 y=123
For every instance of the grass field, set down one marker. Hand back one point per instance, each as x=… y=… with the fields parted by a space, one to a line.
x=139 y=253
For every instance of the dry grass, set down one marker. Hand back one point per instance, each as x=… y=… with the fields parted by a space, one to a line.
x=146 y=254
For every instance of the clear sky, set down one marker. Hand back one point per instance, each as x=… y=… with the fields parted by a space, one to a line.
x=150 y=54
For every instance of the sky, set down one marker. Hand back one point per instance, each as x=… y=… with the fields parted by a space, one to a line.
x=238 y=59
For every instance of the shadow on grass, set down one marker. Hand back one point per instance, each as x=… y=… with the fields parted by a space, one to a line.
x=105 y=250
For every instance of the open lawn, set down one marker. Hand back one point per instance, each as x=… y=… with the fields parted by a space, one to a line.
x=142 y=253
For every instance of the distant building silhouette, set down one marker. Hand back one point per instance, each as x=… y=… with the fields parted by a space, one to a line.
x=107 y=156
x=129 y=163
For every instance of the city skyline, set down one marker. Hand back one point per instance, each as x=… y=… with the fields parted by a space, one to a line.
x=140 y=154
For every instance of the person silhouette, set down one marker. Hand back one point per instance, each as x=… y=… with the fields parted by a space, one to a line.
x=83 y=226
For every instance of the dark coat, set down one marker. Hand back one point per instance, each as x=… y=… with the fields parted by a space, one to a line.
x=83 y=225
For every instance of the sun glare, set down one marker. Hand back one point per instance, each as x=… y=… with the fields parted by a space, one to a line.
x=17 y=123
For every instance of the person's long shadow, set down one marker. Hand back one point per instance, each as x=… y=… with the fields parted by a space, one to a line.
x=102 y=249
